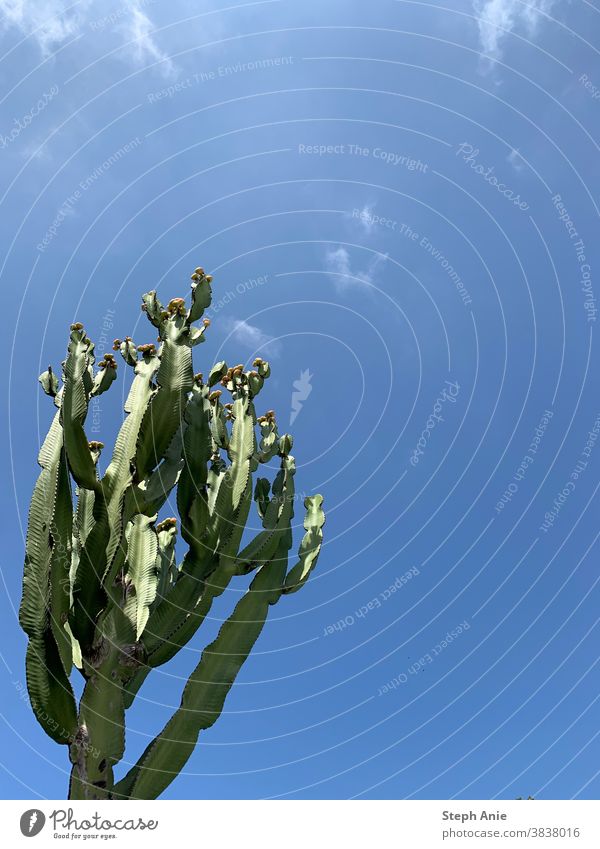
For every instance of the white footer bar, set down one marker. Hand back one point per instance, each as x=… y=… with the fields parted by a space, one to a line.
x=298 y=824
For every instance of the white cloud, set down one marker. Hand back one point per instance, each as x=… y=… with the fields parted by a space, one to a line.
x=37 y=152
x=515 y=159
x=46 y=20
x=499 y=17
x=138 y=28
x=338 y=262
x=251 y=336
x=365 y=217
x=52 y=23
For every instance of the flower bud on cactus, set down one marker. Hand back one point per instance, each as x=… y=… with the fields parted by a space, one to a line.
x=176 y=307
x=95 y=449
x=147 y=350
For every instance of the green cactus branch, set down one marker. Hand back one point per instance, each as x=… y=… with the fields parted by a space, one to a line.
x=103 y=590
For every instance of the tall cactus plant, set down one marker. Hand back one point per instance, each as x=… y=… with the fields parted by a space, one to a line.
x=102 y=590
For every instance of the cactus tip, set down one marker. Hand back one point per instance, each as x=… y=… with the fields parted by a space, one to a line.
x=149 y=348
x=176 y=306
x=167 y=524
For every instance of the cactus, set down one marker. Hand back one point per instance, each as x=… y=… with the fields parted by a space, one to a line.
x=102 y=590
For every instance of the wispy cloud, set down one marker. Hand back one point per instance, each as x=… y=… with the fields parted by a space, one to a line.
x=515 y=159
x=53 y=22
x=36 y=151
x=251 y=336
x=47 y=21
x=497 y=18
x=364 y=217
x=138 y=27
x=338 y=261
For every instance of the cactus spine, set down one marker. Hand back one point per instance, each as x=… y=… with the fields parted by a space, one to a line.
x=102 y=590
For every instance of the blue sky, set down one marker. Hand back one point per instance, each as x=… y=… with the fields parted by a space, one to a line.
x=399 y=205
